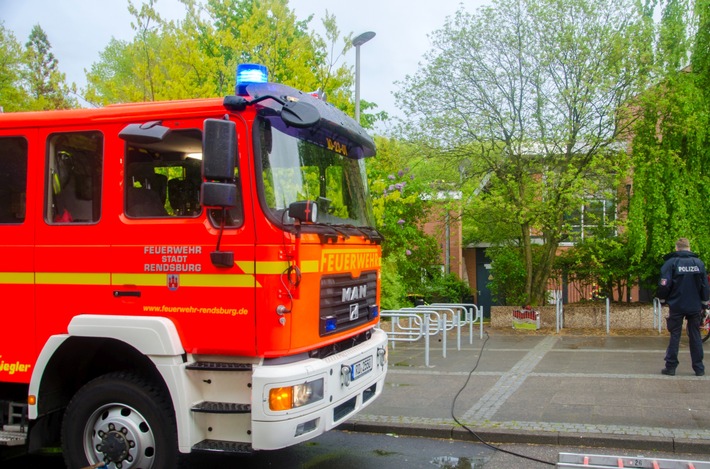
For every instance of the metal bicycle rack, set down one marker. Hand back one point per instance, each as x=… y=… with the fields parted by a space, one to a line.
x=411 y=324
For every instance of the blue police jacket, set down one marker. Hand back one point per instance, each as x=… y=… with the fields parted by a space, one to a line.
x=684 y=283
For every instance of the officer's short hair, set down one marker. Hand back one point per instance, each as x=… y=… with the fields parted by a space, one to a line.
x=682 y=244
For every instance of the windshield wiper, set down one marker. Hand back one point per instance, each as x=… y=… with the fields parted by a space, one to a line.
x=370 y=233
x=336 y=231
x=333 y=236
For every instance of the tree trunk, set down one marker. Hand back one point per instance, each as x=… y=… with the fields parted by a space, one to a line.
x=527 y=251
x=542 y=273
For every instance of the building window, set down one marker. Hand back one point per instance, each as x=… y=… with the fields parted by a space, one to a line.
x=595 y=213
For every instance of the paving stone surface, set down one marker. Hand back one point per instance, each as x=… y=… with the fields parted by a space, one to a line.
x=545 y=388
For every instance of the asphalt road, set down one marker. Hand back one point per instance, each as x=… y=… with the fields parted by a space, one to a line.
x=346 y=450
x=343 y=450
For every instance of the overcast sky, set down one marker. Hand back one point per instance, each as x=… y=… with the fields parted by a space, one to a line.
x=79 y=29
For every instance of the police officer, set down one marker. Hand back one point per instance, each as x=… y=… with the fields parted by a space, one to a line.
x=684 y=288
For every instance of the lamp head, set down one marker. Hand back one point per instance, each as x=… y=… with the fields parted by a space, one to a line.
x=363 y=38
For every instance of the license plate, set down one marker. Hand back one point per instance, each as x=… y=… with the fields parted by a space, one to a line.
x=361 y=368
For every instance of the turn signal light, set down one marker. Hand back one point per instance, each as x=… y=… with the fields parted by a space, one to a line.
x=290 y=397
x=281 y=398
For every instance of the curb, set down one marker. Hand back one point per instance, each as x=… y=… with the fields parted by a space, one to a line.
x=493 y=436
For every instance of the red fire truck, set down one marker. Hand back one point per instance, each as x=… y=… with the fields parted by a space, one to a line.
x=198 y=275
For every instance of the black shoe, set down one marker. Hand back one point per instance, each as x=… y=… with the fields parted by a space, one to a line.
x=699 y=373
x=668 y=371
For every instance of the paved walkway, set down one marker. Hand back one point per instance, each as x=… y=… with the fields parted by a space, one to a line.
x=547 y=389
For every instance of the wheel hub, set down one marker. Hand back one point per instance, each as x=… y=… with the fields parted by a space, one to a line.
x=114 y=445
x=119 y=435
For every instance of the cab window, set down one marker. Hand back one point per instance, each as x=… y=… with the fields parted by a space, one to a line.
x=13 y=179
x=73 y=184
x=163 y=179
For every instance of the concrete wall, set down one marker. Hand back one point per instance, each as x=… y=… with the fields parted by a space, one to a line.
x=587 y=315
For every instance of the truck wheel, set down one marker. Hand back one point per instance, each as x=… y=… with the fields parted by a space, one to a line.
x=122 y=420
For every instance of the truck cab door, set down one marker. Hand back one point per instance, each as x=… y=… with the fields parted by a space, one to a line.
x=18 y=195
x=72 y=253
x=164 y=263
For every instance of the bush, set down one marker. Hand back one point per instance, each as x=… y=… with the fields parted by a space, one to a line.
x=508 y=275
x=446 y=289
x=393 y=293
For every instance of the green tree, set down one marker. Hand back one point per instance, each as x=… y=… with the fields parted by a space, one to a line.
x=671 y=148
x=260 y=31
x=197 y=57
x=144 y=69
x=46 y=85
x=526 y=94
x=12 y=95
x=393 y=290
x=402 y=204
x=507 y=282
x=111 y=79
x=602 y=259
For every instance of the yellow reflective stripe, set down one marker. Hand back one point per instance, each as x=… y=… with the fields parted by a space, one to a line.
x=186 y=280
x=17 y=278
x=155 y=279
x=309 y=267
x=217 y=280
x=275 y=267
x=72 y=278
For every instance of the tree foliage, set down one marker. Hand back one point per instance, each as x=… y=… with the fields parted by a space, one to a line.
x=671 y=148
x=45 y=83
x=30 y=78
x=601 y=260
x=12 y=96
x=197 y=56
x=161 y=62
x=526 y=95
x=507 y=282
x=400 y=209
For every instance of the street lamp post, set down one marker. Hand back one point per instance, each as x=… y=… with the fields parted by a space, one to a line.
x=357 y=42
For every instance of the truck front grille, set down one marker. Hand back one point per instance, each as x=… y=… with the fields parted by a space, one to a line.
x=346 y=302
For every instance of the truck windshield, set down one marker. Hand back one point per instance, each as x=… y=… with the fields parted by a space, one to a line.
x=303 y=164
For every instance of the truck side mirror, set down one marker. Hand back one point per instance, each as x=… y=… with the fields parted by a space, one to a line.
x=219 y=151
x=305 y=211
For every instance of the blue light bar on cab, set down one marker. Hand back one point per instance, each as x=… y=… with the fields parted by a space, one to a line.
x=248 y=74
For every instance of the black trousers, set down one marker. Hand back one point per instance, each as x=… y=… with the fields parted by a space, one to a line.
x=675 y=327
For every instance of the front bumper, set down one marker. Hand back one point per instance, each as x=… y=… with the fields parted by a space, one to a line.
x=343 y=396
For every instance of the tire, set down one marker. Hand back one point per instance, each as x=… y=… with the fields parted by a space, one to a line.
x=123 y=420
x=705 y=326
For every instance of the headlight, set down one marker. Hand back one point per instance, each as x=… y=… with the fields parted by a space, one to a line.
x=290 y=397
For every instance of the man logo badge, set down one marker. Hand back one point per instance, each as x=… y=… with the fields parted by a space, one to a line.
x=354 y=311
x=357 y=292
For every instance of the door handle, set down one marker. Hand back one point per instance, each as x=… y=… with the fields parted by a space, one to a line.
x=119 y=293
